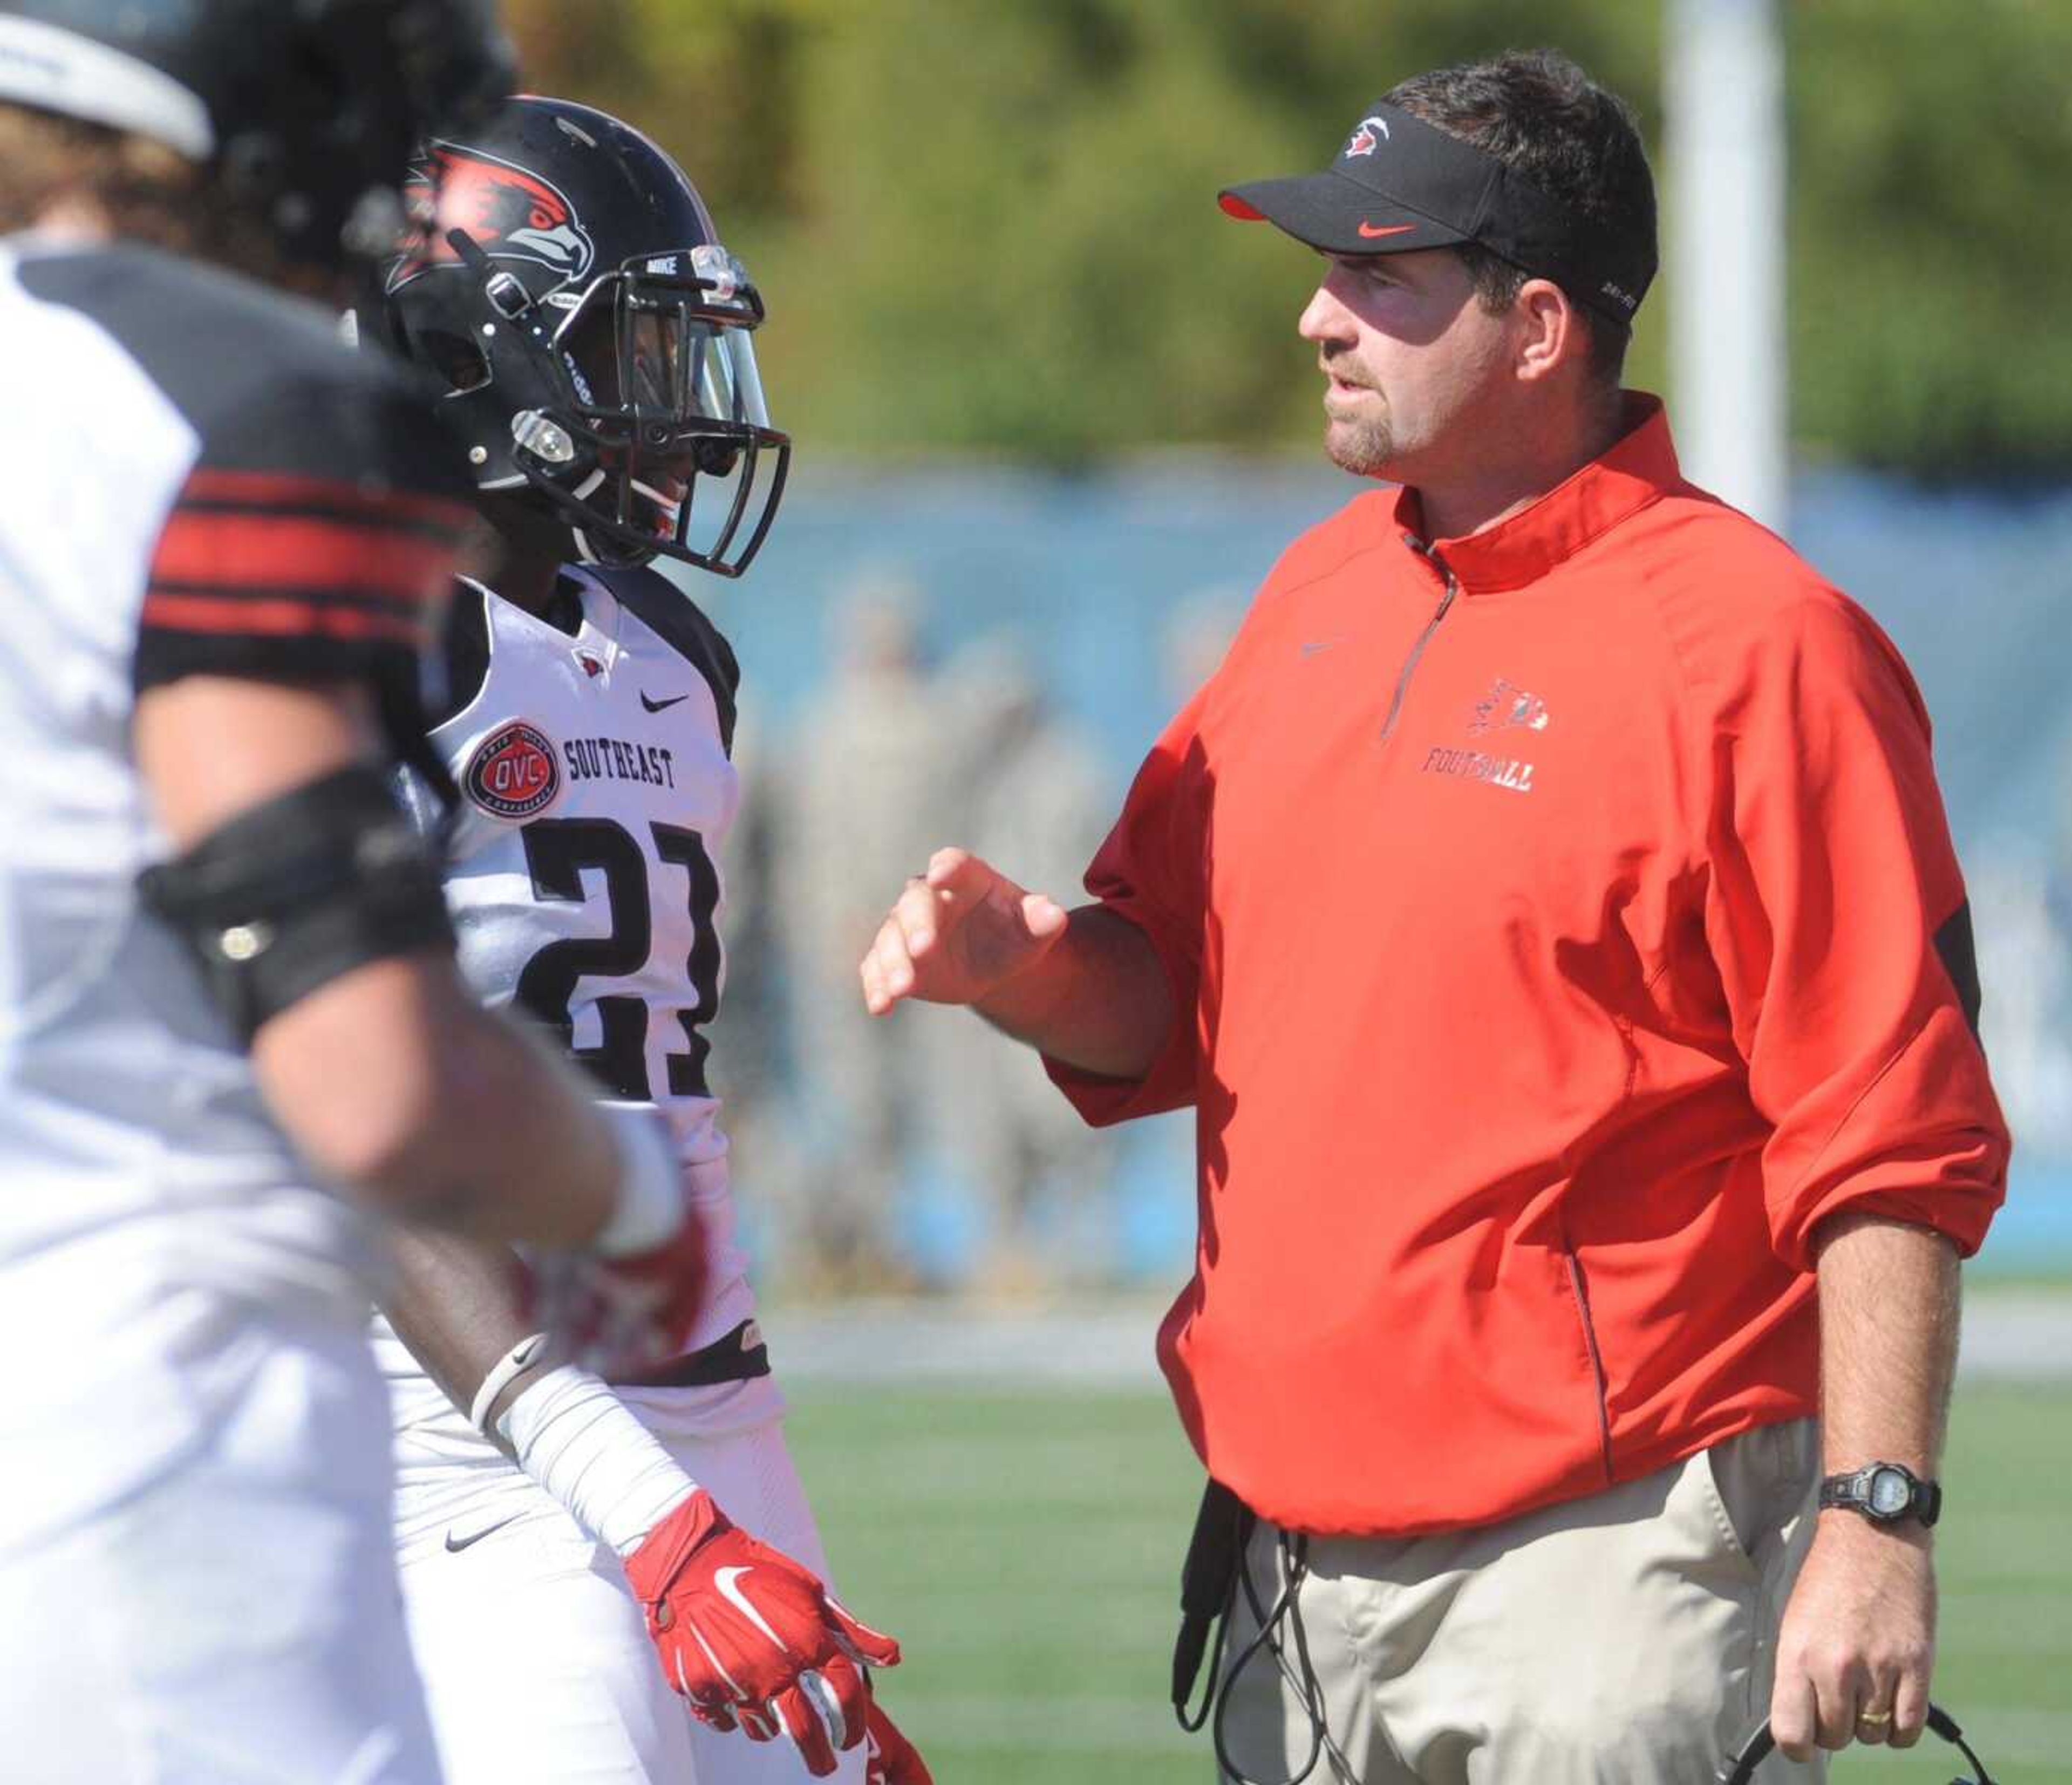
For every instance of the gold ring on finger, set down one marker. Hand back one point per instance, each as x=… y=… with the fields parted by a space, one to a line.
x=1873 y=1720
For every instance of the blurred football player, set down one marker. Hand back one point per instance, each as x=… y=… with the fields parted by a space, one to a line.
x=226 y=967
x=556 y=1530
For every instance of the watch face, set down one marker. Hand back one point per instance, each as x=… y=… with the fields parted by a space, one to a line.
x=1891 y=1492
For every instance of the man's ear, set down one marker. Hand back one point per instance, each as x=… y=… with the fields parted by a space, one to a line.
x=1551 y=331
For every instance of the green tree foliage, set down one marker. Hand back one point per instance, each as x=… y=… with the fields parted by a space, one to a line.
x=991 y=226
x=1931 y=247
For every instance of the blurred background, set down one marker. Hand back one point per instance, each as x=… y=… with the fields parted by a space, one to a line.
x=1052 y=425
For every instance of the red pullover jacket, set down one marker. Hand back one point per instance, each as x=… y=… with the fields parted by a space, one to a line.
x=1564 y=923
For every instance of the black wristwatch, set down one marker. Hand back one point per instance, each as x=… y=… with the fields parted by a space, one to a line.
x=1885 y=1493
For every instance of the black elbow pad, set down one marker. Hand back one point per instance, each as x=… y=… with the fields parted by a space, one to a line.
x=291 y=894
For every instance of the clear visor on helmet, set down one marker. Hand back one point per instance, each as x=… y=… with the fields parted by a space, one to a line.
x=689 y=367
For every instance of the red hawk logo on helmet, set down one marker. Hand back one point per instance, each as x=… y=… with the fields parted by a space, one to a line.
x=512 y=215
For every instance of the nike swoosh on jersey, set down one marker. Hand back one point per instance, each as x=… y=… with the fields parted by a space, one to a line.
x=656 y=706
x=455 y=1545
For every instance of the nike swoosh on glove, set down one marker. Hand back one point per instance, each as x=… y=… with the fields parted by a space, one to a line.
x=613 y=1315
x=749 y=1637
x=891 y=1758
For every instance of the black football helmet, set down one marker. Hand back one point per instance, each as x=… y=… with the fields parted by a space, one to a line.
x=308 y=109
x=566 y=285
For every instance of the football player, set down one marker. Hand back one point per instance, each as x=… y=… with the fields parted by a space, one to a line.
x=593 y=339
x=222 y=535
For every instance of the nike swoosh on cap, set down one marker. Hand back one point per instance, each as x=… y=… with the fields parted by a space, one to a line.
x=656 y=706
x=1371 y=233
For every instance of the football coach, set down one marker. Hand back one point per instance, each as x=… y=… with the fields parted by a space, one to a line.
x=1548 y=911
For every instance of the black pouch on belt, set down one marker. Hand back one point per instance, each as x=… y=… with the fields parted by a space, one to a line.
x=1208 y=1583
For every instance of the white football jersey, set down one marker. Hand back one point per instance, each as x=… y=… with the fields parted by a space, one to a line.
x=596 y=790
x=161 y=446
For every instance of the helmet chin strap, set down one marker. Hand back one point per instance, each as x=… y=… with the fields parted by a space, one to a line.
x=586 y=553
x=553 y=514
x=669 y=507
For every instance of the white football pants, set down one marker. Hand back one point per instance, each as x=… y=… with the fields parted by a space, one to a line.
x=537 y=1664
x=235 y=1620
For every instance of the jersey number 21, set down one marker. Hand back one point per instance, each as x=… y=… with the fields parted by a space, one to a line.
x=557 y=850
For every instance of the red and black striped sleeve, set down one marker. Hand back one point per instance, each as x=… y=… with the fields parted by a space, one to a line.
x=312 y=544
x=313 y=532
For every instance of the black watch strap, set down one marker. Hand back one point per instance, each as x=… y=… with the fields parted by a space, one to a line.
x=1885 y=1493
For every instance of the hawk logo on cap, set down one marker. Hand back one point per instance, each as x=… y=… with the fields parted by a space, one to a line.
x=512 y=215
x=1364 y=141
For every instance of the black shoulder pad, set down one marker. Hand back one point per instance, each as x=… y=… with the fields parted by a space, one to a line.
x=264 y=378
x=464 y=653
x=682 y=624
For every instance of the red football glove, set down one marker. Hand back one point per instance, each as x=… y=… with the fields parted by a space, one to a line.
x=892 y=1759
x=614 y=1315
x=749 y=1636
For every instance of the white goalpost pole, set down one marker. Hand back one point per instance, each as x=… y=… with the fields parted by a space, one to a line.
x=1723 y=91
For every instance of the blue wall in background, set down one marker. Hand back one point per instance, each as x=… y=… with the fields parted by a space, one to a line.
x=1975 y=587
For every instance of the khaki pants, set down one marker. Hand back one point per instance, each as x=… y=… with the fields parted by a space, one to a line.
x=1627 y=1638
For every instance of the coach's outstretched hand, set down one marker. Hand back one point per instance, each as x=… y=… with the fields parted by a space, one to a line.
x=751 y=1638
x=957 y=932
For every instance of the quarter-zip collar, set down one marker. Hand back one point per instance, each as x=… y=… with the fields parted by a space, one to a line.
x=1639 y=469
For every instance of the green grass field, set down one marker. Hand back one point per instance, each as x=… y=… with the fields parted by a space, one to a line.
x=1025 y=1546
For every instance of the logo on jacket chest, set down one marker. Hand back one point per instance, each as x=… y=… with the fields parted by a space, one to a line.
x=1507 y=717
